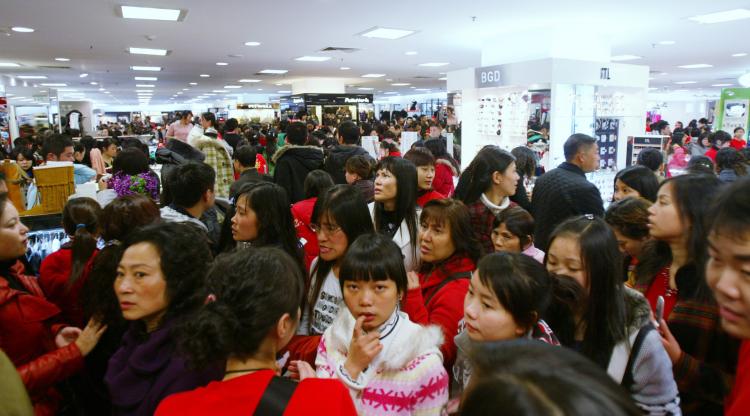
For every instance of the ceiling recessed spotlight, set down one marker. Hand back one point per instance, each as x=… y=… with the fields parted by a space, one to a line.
x=685 y=82
x=32 y=77
x=619 y=58
x=107 y=92
x=260 y=89
x=148 y=51
x=56 y=84
x=435 y=64
x=144 y=85
x=84 y=75
x=722 y=85
x=101 y=89
x=373 y=75
x=21 y=29
x=145 y=91
x=411 y=53
x=249 y=80
x=313 y=58
x=273 y=71
x=695 y=66
x=146 y=68
x=365 y=89
x=232 y=87
x=386 y=33
x=221 y=64
x=667 y=42
x=422 y=89
x=150 y=13
x=205 y=76
x=193 y=83
x=252 y=43
x=145 y=78
x=739 y=55
x=186 y=89
x=401 y=84
x=391 y=92
x=412 y=87
x=721 y=17
x=62 y=59
x=220 y=91
x=94 y=83
x=345 y=68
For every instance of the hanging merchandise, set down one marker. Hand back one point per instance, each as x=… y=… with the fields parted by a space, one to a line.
x=606 y=132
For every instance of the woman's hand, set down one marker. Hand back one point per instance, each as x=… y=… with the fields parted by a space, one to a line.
x=66 y=336
x=300 y=370
x=362 y=350
x=670 y=343
x=413 y=281
x=89 y=337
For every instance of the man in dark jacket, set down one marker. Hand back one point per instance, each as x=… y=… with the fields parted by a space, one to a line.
x=230 y=133
x=565 y=192
x=349 y=145
x=244 y=164
x=295 y=160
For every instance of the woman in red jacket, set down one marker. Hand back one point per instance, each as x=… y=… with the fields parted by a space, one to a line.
x=251 y=311
x=64 y=272
x=44 y=351
x=446 y=168
x=316 y=183
x=449 y=254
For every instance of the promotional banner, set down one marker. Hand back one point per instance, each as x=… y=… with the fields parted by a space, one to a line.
x=606 y=132
x=732 y=110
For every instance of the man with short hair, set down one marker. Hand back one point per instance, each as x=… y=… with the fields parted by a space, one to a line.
x=192 y=188
x=244 y=164
x=652 y=159
x=230 y=133
x=349 y=145
x=295 y=160
x=58 y=148
x=565 y=192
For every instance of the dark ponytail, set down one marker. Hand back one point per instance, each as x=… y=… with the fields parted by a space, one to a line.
x=81 y=221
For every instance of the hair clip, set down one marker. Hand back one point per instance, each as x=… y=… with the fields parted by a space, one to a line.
x=210 y=299
x=79 y=226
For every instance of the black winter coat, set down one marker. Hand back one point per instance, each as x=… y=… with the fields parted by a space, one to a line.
x=335 y=163
x=560 y=194
x=293 y=163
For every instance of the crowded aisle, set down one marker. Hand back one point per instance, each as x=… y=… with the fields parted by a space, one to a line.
x=553 y=231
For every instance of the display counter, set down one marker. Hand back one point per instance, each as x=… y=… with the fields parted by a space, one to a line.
x=330 y=109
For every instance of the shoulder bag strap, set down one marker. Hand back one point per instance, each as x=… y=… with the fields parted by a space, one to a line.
x=276 y=397
x=628 y=379
x=455 y=276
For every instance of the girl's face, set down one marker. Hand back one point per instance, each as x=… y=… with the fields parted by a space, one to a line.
x=111 y=150
x=375 y=300
x=351 y=177
x=564 y=258
x=706 y=142
x=623 y=191
x=78 y=156
x=24 y=163
x=504 y=240
x=485 y=317
x=508 y=180
x=728 y=275
x=140 y=285
x=739 y=134
x=425 y=176
x=13 y=239
x=435 y=242
x=629 y=246
x=244 y=222
x=331 y=239
x=664 y=220
x=386 y=186
x=205 y=123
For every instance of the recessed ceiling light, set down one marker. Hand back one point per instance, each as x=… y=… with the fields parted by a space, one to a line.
x=695 y=66
x=435 y=64
x=739 y=55
x=422 y=89
x=220 y=91
x=144 y=85
x=365 y=89
x=148 y=51
x=101 y=89
x=84 y=75
x=313 y=58
x=618 y=58
x=412 y=87
x=260 y=89
x=221 y=64
x=205 y=76
x=667 y=42
x=32 y=77
x=107 y=92
x=273 y=71
x=94 y=83
x=22 y=29
x=401 y=84
x=209 y=94
x=411 y=53
x=345 y=68
x=373 y=75
x=391 y=92
x=146 y=68
x=283 y=92
x=56 y=84
x=685 y=82
x=721 y=17
x=179 y=93
x=193 y=83
x=145 y=78
x=386 y=33
x=722 y=85
x=252 y=43
x=62 y=59
x=232 y=87
x=150 y=13
x=249 y=80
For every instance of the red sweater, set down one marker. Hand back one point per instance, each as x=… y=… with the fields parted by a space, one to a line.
x=241 y=395
x=302 y=213
x=53 y=278
x=738 y=402
x=737 y=144
x=428 y=196
x=443 y=181
x=446 y=308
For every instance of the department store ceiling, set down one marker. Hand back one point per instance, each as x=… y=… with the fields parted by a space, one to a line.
x=95 y=41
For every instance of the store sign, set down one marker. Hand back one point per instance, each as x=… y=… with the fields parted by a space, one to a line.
x=348 y=100
x=488 y=76
x=299 y=100
x=262 y=106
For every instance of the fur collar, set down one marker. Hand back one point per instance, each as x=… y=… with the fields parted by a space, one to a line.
x=289 y=147
x=449 y=164
x=407 y=341
x=638 y=309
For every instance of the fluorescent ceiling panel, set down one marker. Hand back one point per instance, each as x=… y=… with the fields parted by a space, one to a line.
x=434 y=64
x=145 y=78
x=386 y=33
x=722 y=85
x=313 y=58
x=345 y=68
x=232 y=87
x=401 y=84
x=739 y=55
x=273 y=71
x=32 y=77
x=144 y=85
x=21 y=29
x=146 y=68
x=9 y=65
x=249 y=80
x=252 y=43
x=84 y=75
x=62 y=59
x=284 y=92
x=695 y=66
x=373 y=75
x=148 y=51
x=365 y=89
x=721 y=17
x=685 y=82
x=56 y=84
x=151 y=13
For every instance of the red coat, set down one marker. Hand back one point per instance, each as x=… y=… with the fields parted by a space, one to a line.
x=738 y=402
x=53 y=278
x=737 y=144
x=446 y=308
x=302 y=213
x=711 y=154
x=429 y=196
x=443 y=182
x=241 y=395
x=28 y=325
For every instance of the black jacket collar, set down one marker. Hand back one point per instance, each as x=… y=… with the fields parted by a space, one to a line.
x=572 y=168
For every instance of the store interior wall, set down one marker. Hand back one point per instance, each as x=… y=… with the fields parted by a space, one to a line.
x=87 y=110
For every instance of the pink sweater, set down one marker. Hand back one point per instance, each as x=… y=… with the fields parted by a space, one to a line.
x=406 y=378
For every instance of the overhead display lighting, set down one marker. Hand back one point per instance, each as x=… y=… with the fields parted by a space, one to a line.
x=62 y=59
x=94 y=83
x=205 y=76
x=739 y=55
x=344 y=68
x=232 y=87
x=32 y=77
x=313 y=58
x=221 y=64
x=401 y=84
x=695 y=66
x=151 y=13
x=365 y=89
x=721 y=17
x=146 y=68
x=391 y=92
x=144 y=90
x=274 y=71
x=249 y=80
x=148 y=51
x=21 y=29
x=722 y=85
x=144 y=85
x=283 y=92
x=435 y=64
x=193 y=83
x=145 y=78
x=443 y=79
x=220 y=91
x=84 y=75
x=252 y=43
x=620 y=58
x=685 y=82
x=373 y=75
x=54 y=84
x=386 y=33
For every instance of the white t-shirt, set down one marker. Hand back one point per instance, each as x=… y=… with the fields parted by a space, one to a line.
x=326 y=307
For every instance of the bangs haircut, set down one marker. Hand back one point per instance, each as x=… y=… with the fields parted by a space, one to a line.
x=454 y=214
x=373 y=257
x=730 y=210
